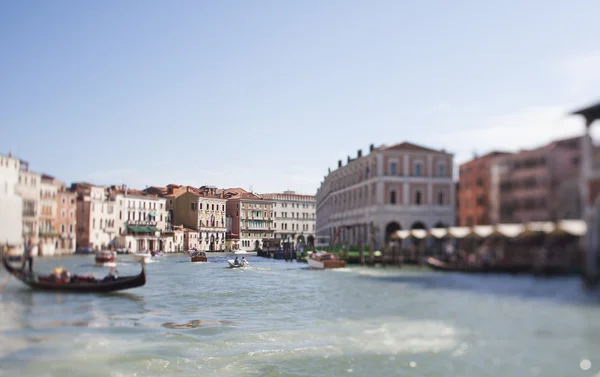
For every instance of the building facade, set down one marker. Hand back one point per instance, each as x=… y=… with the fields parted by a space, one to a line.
x=404 y=186
x=294 y=217
x=66 y=221
x=48 y=232
x=143 y=217
x=203 y=210
x=251 y=218
x=28 y=187
x=11 y=204
x=473 y=203
x=538 y=185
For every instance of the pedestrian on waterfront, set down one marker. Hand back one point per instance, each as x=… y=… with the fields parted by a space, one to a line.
x=30 y=249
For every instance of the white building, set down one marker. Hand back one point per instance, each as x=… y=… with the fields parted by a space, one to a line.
x=143 y=217
x=99 y=216
x=404 y=186
x=11 y=204
x=294 y=217
x=28 y=188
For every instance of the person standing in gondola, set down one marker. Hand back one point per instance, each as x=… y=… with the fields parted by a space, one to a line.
x=30 y=249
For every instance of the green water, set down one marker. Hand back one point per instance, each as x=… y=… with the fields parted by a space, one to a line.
x=280 y=319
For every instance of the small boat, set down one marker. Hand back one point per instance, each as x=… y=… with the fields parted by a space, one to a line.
x=143 y=256
x=157 y=254
x=441 y=265
x=106 y=258
x=232 y=264
x=74 y=283
x=198 y=256
x=323 y=261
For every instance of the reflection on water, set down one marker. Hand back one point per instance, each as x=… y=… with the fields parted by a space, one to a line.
x=281 y=319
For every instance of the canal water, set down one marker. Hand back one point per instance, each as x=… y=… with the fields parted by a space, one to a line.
x=280 y=319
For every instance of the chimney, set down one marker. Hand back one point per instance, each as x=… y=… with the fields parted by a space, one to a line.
x=349 y=159
x=359 y=153
x=339 y=163
x=328 y=170
x=371 y=147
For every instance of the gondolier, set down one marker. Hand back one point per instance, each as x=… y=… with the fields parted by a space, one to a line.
x=30 y=249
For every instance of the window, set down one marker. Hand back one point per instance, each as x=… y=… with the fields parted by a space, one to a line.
x=418 y=171
x=418 y=198
x=213 y=207
x=193 y=206
x=392 y=197
x=64 y=213
x=393 y=168
x=200 y=205
x=70 y=228
x=93 y=223
x=62 y=228
x=440 y=198
x=441 y=169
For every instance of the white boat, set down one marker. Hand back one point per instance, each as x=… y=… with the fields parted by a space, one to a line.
x=322 y=261
x=232 y=264
x=143 y=257
x=106 y=258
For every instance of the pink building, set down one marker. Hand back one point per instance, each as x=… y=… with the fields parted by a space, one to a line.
x=537 y=185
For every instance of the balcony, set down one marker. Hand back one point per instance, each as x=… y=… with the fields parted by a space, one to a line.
x=141 y=223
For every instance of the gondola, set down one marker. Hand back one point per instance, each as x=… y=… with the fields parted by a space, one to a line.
x=76 y=285
x=440 y=265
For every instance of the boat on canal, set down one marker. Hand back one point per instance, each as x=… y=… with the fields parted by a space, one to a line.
x=143 y=256
x=198 y=256
x=63 y=281
x=240 y=264
x=324 y=261
x=106 y=258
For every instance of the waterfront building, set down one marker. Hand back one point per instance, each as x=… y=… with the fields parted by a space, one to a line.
x=11 y=204
x=174 y=239
x=473 y=202
x=203 y=210
x=540 y=184
x=66 y=220
x=143 y=217
x=28 y=188
x=251 y=218
x=48 y=215
x=190 y=239
x=294 y=217
x=99 y=216
x=403 y=186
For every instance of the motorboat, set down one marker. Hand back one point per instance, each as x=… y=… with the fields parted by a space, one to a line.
x=143 y=256
x=106 y=258
x=157 y=254
x=241 y=264
x=198 y=256
x=244 y=252
x=323 y=261
x=63 y=281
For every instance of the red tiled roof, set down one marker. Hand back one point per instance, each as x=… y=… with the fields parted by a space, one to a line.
x=240 y=193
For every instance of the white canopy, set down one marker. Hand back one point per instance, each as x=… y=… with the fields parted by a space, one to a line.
x=438 y=232
x=483 y=230
x=511 y=230
x=574 y=227
x=459 y=231
x=418 y=233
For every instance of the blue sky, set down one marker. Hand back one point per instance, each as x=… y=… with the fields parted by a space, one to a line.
x=272 y=93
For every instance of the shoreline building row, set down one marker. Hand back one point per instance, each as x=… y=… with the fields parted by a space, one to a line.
x=38 y=205
x=403 y=186
x=540 y=184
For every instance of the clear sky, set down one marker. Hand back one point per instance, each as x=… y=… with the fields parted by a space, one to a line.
x=272 y=93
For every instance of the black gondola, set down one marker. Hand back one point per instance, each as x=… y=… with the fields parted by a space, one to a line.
x=76 y=285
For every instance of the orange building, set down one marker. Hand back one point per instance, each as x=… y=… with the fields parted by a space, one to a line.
x=473 y=205
x=66 y=220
